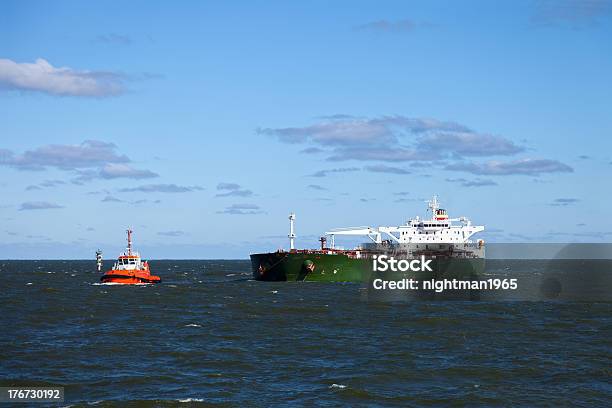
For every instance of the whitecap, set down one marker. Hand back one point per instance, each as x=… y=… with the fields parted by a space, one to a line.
x=29 y=283
x=192 y=325
x=191 y=400
x=339 y=386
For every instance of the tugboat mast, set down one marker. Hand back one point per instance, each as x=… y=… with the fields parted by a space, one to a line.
x=129 y=240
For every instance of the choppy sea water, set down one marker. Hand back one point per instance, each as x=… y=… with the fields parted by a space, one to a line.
x=208 y=334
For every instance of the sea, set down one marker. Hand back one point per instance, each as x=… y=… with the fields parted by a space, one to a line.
x=209 y=335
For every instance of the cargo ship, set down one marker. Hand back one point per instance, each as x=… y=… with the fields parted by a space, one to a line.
x=445 y=240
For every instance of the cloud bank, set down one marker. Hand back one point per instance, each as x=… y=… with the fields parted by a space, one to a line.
x=394 y=138
x=92 y=159
x=400 y=138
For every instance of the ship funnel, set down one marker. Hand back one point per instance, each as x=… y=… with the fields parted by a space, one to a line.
x=291 y=231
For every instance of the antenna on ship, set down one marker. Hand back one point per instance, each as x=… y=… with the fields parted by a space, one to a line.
x=291 y=231
x=433 y=205
x=129 y=239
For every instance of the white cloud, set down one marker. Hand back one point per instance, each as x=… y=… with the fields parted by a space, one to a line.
x=564 y=202
x=161 y=188
x=324 y=173
x=381 y=168
x=120 y=170
x=232 y=190
x=175 y=233
x=531 y=167
x=38 y=205
x=468 y=144
x=241 y=209
x=41 y=76
x=90 y=153
x=472 y=183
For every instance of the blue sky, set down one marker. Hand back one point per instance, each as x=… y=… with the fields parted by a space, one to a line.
x=203 y=125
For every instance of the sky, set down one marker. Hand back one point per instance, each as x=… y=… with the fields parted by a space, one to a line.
x=202 y=125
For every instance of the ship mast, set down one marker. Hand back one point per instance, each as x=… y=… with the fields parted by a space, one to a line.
x=291 y=231
x=129 y=240
x=433 y=205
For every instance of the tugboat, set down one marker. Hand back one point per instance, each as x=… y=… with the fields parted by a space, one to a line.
x=129 y=268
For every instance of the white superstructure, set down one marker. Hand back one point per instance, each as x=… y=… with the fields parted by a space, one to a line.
x=438 y=229
x=130 y=260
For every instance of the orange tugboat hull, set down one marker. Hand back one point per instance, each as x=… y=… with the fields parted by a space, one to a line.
x=129 y=277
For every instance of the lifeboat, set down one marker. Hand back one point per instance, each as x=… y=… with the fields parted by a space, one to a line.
x=129 y=268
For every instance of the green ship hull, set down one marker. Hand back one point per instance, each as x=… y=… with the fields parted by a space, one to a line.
x=300 y=266
x=339 y=267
